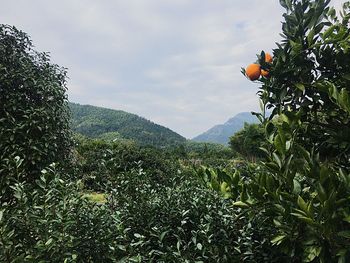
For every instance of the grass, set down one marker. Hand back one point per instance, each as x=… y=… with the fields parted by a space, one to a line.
x=99 y=198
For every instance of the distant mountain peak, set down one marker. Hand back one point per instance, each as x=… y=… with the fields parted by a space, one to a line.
x=222 y=132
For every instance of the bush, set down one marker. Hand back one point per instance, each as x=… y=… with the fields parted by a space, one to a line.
x=247 y=142
x=33 y=108
x=54 y=223
x=182 y=222
x=99 y=162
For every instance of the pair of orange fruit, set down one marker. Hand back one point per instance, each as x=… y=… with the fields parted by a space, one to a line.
x=254 y=71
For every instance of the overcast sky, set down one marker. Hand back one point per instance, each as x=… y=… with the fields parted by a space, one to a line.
x=175 y=62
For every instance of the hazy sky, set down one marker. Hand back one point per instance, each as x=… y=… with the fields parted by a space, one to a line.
x=175 y=62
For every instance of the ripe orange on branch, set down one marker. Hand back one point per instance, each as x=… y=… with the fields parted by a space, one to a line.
x=265 y=73
x=268 y=58
x=253 y=71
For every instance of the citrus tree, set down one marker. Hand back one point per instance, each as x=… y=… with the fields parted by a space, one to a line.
x=34 y=116
x=307 y=182
x=303 y=185
x=311 y=76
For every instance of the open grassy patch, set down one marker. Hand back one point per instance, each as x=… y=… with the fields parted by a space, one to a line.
x=99 y=198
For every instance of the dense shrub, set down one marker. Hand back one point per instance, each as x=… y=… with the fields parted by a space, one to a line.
x=99 y=162
x=247 y=142
x=181 y=222
x=54 y=223
x=33 y=108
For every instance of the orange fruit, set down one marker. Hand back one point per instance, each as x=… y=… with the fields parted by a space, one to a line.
x=268 y=58
x=265 y=73
x=253 y=71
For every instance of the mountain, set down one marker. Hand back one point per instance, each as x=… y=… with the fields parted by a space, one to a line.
x=98 y=122
x=222 y=132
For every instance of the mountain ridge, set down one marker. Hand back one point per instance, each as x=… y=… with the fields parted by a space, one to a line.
x=96 y=122
x=222 y=132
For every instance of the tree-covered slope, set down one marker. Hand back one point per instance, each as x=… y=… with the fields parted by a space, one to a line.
x=222 y=132
x=95 y=122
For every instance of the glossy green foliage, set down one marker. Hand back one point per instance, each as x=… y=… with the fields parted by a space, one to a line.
x=144 y=218
x=247 y=142
x=310 y=74
x=51 y=221
x=166 y=214
x=99 y=162
x=33 y=107
x=302 y=186
x=256 y=227
x=308 y=131
x=180 y=221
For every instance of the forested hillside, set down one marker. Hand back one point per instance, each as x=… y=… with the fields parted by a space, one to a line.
x=98 y=122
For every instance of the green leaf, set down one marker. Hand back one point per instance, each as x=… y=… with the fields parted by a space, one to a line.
x=321 y=193
x=280 y=144
x=48 y=242
x=311 y=252
x=277 y=159
x=303 y=152
x=163 y=235
x=344 y=99
x=328 y=32
x=277 y=223
x=278 y=239
x=121 y=247
x=303 y=218
x=302 y=204
x=345 y=234
x=346 y=76
x=310 y=37
x=240 y=204
x=137 y=235
x=296 y=187
x=178 y=245
x=300 y=86
x=347 y=219
x=215 y=184
x=269 y=128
